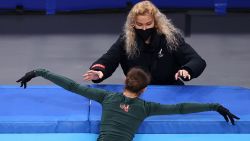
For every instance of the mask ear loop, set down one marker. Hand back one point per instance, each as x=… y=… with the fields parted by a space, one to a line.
x=132 y=26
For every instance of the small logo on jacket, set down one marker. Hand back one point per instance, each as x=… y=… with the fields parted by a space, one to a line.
x=124 y=107
x=160 y=54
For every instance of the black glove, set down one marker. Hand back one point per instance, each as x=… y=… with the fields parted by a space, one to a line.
x=227 y=115
x=26 y=78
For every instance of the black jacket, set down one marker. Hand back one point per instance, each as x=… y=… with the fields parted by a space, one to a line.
x=155 y=58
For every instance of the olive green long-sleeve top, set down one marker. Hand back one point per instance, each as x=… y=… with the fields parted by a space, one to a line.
x=121 y=115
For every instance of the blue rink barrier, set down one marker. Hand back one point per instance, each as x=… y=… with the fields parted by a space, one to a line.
x=182 y=3
x=238 y=4
x=51 y=109
x=53 y=6
x=70 y=5
x=27 y=4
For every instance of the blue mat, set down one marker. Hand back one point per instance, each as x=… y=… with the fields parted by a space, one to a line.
x=138 y=137
x=42 y=110
x=235 y=98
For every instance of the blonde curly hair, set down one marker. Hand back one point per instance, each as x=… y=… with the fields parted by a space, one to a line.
x=162 y=24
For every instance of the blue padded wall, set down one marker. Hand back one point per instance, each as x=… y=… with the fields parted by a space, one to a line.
x=50 y=109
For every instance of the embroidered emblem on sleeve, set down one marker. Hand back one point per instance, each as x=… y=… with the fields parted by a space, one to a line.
x=124 y=107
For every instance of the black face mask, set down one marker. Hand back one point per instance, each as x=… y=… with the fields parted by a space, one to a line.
x=145 y=34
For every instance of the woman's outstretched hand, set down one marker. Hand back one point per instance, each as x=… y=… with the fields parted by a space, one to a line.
x=26 y=78
x=92 y=75
x=183 y=74
x=227 y=114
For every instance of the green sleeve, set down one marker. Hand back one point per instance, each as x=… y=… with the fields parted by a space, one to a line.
x=70 y=85
x=181 y=108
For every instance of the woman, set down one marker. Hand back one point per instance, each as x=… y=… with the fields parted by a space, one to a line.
x=122 y=113
x=151 y=42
